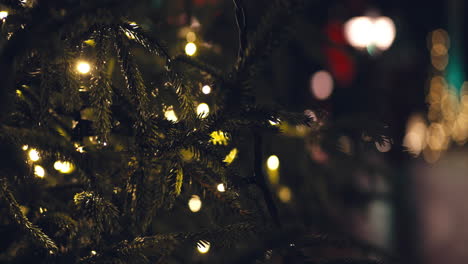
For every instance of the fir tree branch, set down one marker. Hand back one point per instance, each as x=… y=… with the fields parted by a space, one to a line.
x=241 y=27
x=34 y=232
x=101 y=91
x=102 y=212
x=199 y=65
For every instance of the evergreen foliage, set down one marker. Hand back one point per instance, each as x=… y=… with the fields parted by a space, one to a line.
x=132 y=166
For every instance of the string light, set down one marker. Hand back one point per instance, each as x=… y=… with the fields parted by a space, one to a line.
x=3 y=14
x=273 y=162
x=206 y=89
x=39 y=171
x=231 y=156
x=170 y=115
x=203 y=246
x=25 y=147
x=219 y=138
x=34 y=155
x=190 y=49
x=65 y=167
x=221 y=187
x=203 y=110
x=195 y=203
x=321 y=85
x=83 y=67
x=93 y=252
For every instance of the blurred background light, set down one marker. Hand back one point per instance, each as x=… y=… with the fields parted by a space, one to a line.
x=365 y=32
x=321 y=85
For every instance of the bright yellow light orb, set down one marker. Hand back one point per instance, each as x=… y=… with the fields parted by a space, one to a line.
x=170 y=115
x=203 y=110
x=93 y=252
x=34 y=155
x=3 y=14
x=64 y=166
x=39 y=171
x=231 y=156
x=273 y=162
x=221 y=187
x=190 y=49
x=83 y=67
x=206 y=89
x=203 y=246
x=195 y=203
x=25 y=147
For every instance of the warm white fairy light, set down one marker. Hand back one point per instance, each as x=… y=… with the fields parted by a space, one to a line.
x=39 y=171
x=273 y=162
x=83 y=67
x=170 y=115
x=190 y=49
x=93 y=252
x=221 y=187
x=25 y=147
x=34 y=155
x=203 y=246
x=206 y=89
x=64 y=166
x=195 y=203
x=203 y=110
x=3 y=14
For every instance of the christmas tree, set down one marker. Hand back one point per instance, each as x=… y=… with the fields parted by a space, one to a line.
x=126 y=137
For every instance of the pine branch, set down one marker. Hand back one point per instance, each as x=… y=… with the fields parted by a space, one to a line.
x=199 y=65
x=14 y=211
x=102 y=212
x=101 y=91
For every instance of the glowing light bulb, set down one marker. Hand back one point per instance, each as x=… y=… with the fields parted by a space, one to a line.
x=190 y=49
x=195 y=203
x=203 y=246
x=170 y=114
x=206 y=89
x=39 y=171
x=363 y=32
x=93 y=252
x=203 y=110
x=321 y=85
x=191 y=37
x=64 y=166
x=3 y=14
x=221 y=187
x=83 y=67
x=25 y=147
x=273 y=162
x=231 y=156
x=34 y=155
x=358 y=31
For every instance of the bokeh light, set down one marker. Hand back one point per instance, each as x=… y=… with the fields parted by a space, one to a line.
x=273 y=162
x=206 y=89
x=284 y=194
x=221 y=187
x=415 y=138
x=65 y=167
x=34 y=155
x=25 y=147
x=191 y=36
x=321 y=85
x=231 y=156
x=3 y=14
x=190 y=49
x=195 y=203
x=365 y=32
x=39 y=171
x=203 y=110
x=83 y=67
x=203 y=246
